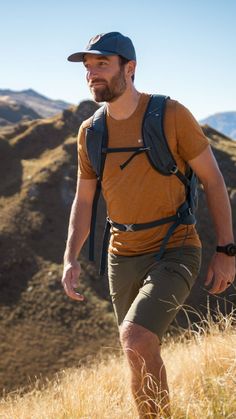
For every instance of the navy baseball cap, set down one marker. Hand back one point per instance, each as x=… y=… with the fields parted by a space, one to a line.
x=111 y=43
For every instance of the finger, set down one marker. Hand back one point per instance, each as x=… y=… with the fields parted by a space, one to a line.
x=218 y=286
x=74 y=294
x=74 y=278
x=209 y=277
x=224 y=285
x=70 y=291
x=223 y=288
x=74 y=283
x=77 y=293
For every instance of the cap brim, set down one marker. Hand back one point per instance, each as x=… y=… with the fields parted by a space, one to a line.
x=79 y=56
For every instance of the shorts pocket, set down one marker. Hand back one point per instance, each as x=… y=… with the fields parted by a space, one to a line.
x=182 y=271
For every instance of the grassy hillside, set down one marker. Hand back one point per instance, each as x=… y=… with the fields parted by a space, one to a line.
x=201 y=366
x=41 y=329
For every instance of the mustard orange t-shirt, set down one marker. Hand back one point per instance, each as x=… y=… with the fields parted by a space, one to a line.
x=138 y=193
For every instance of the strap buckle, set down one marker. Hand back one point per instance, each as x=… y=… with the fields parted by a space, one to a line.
x=183 y=213
x=129 y=227
x=174 y=169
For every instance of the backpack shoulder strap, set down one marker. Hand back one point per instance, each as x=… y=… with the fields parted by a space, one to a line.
x=158 y=151
x=96 y=139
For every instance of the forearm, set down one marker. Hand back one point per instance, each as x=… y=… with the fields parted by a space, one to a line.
x=221 y=269
x=219 y=206
x=78 y=231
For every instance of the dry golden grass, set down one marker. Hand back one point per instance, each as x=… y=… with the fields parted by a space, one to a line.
x=201 y=369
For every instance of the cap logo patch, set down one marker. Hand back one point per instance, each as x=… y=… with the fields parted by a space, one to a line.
x=95 y=39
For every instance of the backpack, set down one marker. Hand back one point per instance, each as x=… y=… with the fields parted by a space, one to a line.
x=160 y=157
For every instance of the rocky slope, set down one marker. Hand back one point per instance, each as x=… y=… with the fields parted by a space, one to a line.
x=42 y=330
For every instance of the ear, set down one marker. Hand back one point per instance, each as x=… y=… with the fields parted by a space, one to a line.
x=131 y=65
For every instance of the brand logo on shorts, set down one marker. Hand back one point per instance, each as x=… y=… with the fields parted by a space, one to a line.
x=185 y=267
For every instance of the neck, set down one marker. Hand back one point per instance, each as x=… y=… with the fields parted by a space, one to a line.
x=125 y=105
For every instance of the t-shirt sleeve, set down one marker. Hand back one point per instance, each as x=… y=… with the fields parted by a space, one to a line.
x=190 y=137
x=85 y=170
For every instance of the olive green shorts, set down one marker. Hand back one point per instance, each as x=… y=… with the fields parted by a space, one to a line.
x=150 y=292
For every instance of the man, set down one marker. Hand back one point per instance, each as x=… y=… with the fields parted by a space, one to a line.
x=145 y=292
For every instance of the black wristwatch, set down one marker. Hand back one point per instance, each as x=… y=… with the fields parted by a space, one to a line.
x=229 y=249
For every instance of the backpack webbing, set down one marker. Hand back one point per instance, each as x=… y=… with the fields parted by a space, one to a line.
x=159 y=154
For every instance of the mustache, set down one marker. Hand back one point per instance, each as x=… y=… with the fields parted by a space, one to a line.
x=97 y=81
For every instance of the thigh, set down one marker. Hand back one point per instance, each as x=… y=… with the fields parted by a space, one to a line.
x=165 y=289
x=124 y=283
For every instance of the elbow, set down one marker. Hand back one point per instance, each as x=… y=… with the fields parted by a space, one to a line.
x=215 y=185
x=215 y=180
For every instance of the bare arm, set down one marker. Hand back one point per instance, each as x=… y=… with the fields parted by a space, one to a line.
x=79 y=225
x=221 y=271
x=80 y=218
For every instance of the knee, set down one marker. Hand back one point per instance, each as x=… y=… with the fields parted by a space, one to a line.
x=128 y=337
x=137 y=339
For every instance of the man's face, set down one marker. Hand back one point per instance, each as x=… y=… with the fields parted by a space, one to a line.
x=105 y=77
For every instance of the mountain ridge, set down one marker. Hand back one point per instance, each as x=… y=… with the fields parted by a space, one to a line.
x=40 y=104
x=43 y=106
x=224 y=122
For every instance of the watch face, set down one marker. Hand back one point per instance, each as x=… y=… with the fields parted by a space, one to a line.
x=231 y=250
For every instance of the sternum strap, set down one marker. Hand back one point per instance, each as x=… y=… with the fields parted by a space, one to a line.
x=136 y=152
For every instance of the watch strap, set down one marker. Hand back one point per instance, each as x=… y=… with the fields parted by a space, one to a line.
x=229 y=249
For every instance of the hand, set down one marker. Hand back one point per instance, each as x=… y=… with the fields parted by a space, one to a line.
x=221 y=273
x=69 y=280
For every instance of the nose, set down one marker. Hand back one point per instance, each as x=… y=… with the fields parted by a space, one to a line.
x=91 y=74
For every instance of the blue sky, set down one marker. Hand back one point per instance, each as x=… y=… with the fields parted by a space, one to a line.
x=185 y=48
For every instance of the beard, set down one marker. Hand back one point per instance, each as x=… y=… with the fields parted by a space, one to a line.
x=111 y=90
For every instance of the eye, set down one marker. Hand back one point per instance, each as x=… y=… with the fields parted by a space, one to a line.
x=102 y=63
